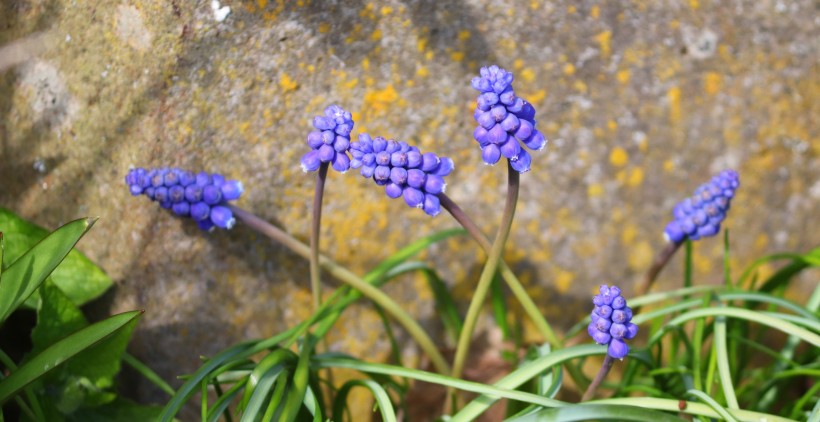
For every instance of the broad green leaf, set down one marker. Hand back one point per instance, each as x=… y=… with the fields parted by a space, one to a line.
x=24 y=276
x=63 y=350
x=57 y=317
x=77 y=276
x=607 y=412
x=86 y=380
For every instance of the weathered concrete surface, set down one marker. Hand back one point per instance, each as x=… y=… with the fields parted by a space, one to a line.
x=642 y=102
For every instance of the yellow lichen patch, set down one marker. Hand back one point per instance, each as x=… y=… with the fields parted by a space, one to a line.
x=595 y=190
x=761 y=242
x=287 y=83
x=379 y=100
x=618 y=157
x=350 y=84
x=518 y=64
x=694 y=4
x=712 y=82
x=604 y=39
x=386 y=10
x=463 y=35
x=612 y=125
x=457 y=56
x=668 y=166
x=422 y=72
x=640 y=256
x=701 y=263
x=537 y=96
x=563 y=279
x=571 y=9
x=673 y=96
x=595 y=12
x=623 y=76
x=324 y=28
x=376 y=35
x=628 y=234
x=569 y=69
x=580 y=86
x=534 y=4
x=528 y=74
x=421 y=44
x=635 y=177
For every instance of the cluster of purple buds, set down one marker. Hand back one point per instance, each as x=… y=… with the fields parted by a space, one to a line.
x=330 y=141
x=403 y=170
x=701 y=215
x=610 y=323
x=201 y=196
x=504 y=119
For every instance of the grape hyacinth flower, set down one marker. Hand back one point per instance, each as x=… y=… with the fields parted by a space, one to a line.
x=610 y=323
x=403 y=170
x=700 y=215
x=504 y=119
x=330 y=141
x=203 y=196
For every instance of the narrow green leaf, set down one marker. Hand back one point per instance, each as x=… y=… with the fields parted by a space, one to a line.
x=76 y=276
x=758 y=317
x=311 y=402
x=587 y=412
x=222 y=403
x=724 y=371
x=408 y=251
x=523 y=374
x=296 y=395
x=691 y=408
x=272 y=363
x=119 y=410
x=262 y=388
x=26 y=274
x=236 y=353
x=382 y=399
x=148 y=373
x=499 y=306
x=63 y=350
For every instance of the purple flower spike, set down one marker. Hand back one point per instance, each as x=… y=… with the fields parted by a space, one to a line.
x=203 y=197
x=611 y=321
x=330 y=142
x=505 y=121
x=403 y=170
x=700 y=215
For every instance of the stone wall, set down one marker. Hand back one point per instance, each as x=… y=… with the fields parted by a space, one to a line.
x=642 y=102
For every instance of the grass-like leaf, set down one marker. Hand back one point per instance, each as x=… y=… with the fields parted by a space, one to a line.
x=381 y=396
x=724 y=370
x=758 y=317
x=605 y=412
x=62 y=351
x=25 y=275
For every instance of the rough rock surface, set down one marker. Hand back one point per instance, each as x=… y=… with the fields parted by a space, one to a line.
x=641 y=102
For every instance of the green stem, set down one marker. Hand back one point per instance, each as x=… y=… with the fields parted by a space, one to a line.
x=607 y=365
x=344 y=275
x=494 y=256
x=514 y=284
x=315 y=277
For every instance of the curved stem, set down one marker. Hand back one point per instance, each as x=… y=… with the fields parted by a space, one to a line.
x=506 y=272
x=608 y=362
x=661 y=260
x=344 y=275
x=494 y=256
x=315 y=276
